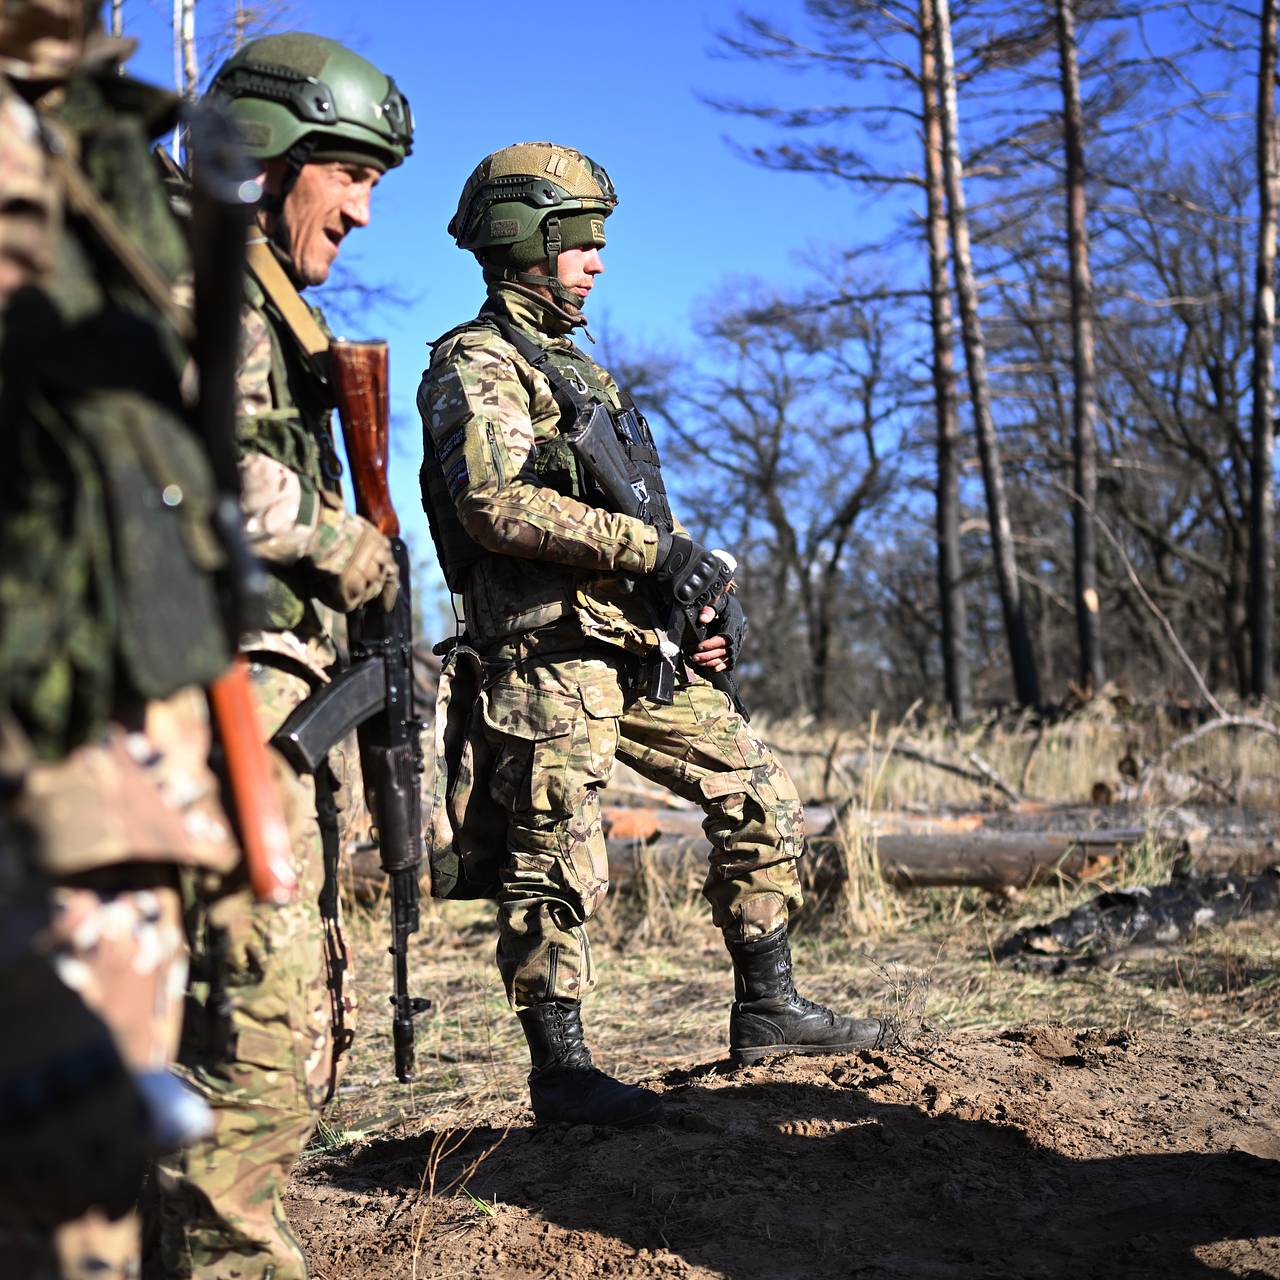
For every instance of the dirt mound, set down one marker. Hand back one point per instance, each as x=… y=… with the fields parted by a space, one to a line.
x=1039 y=1152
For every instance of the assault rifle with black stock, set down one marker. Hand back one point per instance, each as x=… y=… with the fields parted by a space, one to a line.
x=374 y=694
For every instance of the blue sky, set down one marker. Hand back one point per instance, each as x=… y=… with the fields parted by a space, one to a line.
x=621 y=81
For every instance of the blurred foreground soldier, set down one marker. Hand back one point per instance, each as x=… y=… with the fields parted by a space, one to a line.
x=110 y=623
x=324 y=125
x=532 y=454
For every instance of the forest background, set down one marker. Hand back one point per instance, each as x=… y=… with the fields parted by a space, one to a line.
x=955 y=321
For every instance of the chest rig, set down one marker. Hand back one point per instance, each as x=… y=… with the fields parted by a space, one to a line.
x=553 y=463
x=637 y=453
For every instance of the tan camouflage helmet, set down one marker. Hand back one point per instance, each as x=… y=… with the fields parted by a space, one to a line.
x=525 y=203
x=50 y=39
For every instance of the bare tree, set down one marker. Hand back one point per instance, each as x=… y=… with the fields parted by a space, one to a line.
x=1084 y=495
x=951 y=601
x=1262 y=524
x=1022 y=657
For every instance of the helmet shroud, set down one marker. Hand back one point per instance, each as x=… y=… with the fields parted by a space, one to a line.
x=526 y=203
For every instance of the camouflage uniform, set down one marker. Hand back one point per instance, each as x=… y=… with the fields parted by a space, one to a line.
x=552 y=607
x=108 y=615
x=292 y=1012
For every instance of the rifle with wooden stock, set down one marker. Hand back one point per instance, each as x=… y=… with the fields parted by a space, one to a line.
x=223 y=195
x=374 y=694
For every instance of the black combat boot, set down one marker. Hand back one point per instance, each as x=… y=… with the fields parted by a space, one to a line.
x=769 y=1017
x=564 y=1085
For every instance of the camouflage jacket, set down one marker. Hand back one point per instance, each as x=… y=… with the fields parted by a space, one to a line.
x=107 y=546
x=545 y=558
x=288 y=458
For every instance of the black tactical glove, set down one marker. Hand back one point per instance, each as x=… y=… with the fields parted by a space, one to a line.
x=694 y=576
x=731 y=623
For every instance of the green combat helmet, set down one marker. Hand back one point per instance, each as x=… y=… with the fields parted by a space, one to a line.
x=308 y=98
x=522 y=205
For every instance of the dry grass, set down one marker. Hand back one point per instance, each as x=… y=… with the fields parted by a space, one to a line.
x=664 y=983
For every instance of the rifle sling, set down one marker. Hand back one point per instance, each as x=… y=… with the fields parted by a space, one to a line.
x=286 y=299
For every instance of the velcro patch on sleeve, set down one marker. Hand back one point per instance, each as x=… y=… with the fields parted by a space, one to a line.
x=451 y=443
x=456 y=477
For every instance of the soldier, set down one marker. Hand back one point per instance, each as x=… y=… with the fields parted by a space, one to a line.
x=325 y=125
x=565 y=601
x=109 y=625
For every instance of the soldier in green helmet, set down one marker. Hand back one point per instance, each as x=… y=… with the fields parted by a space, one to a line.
x=324 y=125
x=567 y=599
x=109 y=626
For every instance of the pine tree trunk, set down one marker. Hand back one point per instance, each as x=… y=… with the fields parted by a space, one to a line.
x=1026 y=682
x=1084 y=440
x=951 y=602
x=1262 y=508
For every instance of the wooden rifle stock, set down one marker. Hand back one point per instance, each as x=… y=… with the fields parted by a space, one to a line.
x=358 y=372
x=264 y=835
x=390 y=741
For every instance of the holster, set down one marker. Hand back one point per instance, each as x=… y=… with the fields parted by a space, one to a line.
x=466 y=831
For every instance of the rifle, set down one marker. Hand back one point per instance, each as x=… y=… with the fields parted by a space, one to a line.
x=599 y=441
x=593 y=437
x=374 y=694
x=223 y=196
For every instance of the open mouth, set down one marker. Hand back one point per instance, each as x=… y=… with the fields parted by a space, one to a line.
x=334 y=237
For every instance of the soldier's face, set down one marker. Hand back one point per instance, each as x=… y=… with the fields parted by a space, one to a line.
x=327 y=200
x=577 y=270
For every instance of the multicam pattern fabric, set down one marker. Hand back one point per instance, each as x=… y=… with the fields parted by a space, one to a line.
x=218 y=1207
x=554 y=729
x=143 y=795
x=288 y=458
x=29 y=198
x=108 y=620
x=550 y=608
x=120 y=947
x=490 y=416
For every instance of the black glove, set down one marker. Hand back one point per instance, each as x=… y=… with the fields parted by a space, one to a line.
x=694 y=576
x=731 y=623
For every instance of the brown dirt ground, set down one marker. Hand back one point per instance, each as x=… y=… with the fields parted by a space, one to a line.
x=1035 y=1152
x=1118 y=1120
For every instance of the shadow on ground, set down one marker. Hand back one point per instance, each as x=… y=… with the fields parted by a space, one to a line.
x=1088 y=1158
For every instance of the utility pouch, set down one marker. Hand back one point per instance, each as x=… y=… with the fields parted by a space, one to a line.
x=466 y=831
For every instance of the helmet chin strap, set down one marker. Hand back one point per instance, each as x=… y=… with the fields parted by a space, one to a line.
x=295 y=160
x=563 y=303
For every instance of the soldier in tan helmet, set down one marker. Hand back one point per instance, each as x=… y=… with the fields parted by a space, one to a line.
x=547 y=504
x=109 y=627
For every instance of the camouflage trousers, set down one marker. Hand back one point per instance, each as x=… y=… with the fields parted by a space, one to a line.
x=269 y=1062
x=555 y=728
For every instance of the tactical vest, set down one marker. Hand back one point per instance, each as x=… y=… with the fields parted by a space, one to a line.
x=107 y=547
x=552 y=463
x=297 y=431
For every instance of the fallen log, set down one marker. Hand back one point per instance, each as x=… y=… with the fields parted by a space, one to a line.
x=975 y=857
x=913 y=851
